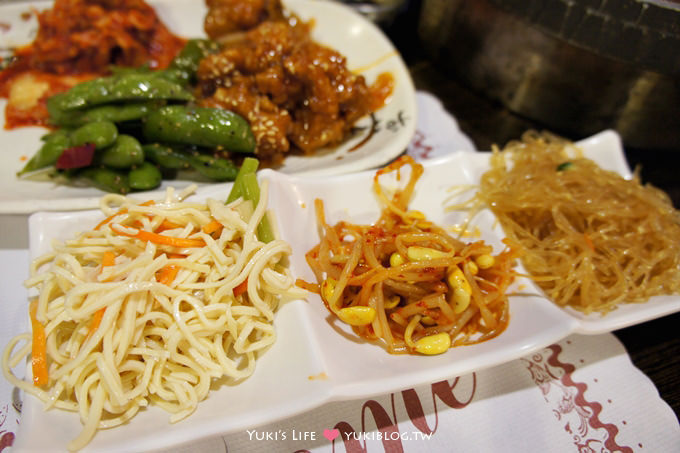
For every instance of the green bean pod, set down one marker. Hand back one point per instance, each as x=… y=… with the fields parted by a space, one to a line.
x=107 y=179
x=125 y=87
x=115 y=113
x=174 y=158
x=165 y=156
x=54 y=144
x=145 y=176
x=124 y=153
x=215 y=168
x=184 y=66
x=199 y=126
x=99 y=133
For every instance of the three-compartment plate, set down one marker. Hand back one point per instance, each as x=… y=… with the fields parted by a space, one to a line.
x=366 y=48
x=310 y=344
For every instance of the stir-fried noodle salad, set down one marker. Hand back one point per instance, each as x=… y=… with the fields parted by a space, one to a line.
x=149 y=307
x=590 y=238
x=405 y=281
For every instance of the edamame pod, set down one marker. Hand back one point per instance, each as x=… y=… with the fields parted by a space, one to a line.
x=125 y=152
x=145 y=176
x=99 y=133
x=215 y=168
x=114 y=113
x=165 y=156
x=54 y=144
x=107 y=179
x=124 y=87
x=46 y=137
x=184 y=66
x=200 y=126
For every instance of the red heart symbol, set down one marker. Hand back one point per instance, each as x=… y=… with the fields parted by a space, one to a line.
x=331 y=434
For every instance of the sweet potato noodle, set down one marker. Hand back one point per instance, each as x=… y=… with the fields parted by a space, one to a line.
x=298 y=95
x=590 y=238
x=80 y=39
x=405 y=281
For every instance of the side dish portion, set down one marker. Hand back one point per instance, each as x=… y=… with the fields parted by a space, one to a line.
x=298 y=95
x=152 y=305
x=589 y=238
x=153 y=106
x=127 y=131
x=405 y=281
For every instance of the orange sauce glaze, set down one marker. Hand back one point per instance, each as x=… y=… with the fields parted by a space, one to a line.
x=299 y=96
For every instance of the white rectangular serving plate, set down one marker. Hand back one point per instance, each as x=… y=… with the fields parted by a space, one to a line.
x=367 y=50
x=286 y=381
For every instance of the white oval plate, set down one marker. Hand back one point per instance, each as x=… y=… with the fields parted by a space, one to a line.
x=366 y=48
x=309 y=343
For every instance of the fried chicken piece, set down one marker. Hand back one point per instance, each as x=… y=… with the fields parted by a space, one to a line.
x=229 y=16
x=297 y=94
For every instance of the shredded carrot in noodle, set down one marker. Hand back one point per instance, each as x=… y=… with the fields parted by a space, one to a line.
x=156 y=238
x=39 y=348
x=123 y=324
